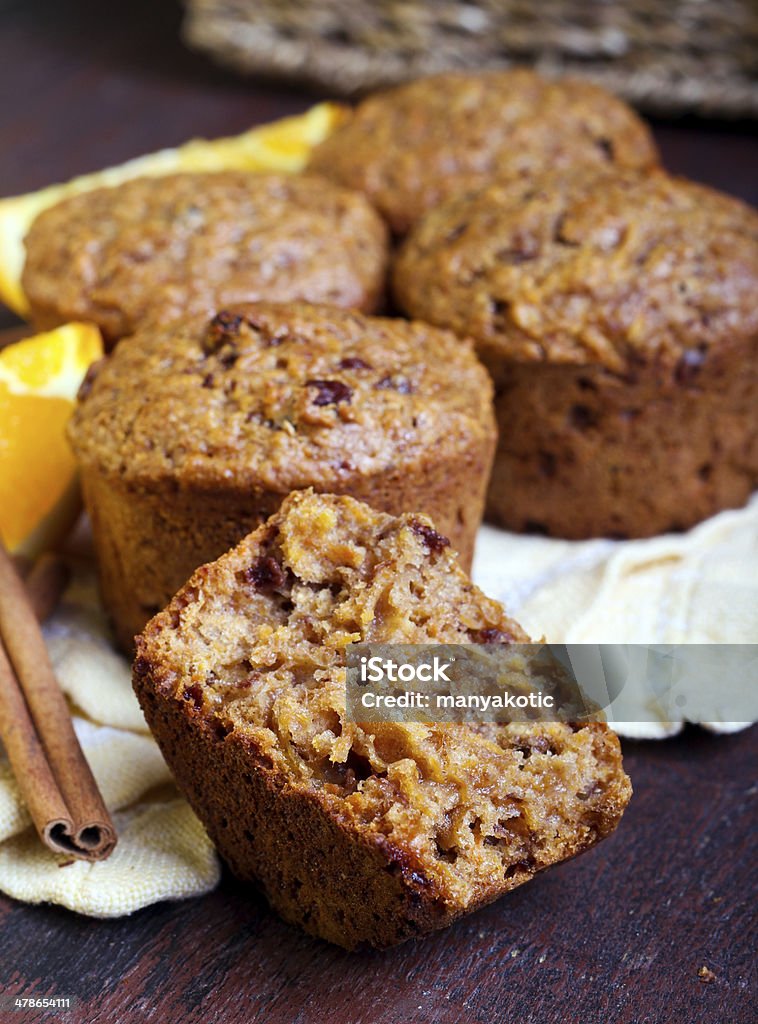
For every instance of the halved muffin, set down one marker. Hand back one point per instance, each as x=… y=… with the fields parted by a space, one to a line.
x=360 y=834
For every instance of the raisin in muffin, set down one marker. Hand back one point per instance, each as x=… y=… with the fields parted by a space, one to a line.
x=359 y=835
x=191 y=434
x=415 y=145
x=617 y=316
x=193 y=243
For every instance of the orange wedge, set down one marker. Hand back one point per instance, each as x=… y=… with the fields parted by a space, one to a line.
x=282 y=145
x=39 y=378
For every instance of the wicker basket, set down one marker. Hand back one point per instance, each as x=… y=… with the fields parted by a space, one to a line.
x=666 y=56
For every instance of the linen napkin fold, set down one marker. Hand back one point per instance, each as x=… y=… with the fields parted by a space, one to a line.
x=163 y=851
x=700 y=587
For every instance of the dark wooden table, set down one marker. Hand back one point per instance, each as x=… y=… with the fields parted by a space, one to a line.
x=616 y=936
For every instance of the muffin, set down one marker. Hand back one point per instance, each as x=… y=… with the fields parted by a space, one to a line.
x=191 y=434
x=616 y=313
x=412 y=147
x=193 y=243
x=361 y=835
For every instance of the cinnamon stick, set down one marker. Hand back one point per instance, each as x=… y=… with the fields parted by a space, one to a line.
x=22 y=564
x=45 y=583
x=36 y=729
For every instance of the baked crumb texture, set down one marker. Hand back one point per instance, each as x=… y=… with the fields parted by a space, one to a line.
x=192 y=433
x=361 y=837
x=412 y=147
x=158 y=248
x=616 y=314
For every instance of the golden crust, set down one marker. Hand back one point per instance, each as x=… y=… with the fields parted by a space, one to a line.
x=158 y=248
x=582 y=268
x=416 y=145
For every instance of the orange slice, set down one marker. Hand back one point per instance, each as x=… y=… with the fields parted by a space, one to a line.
x=39 y=378
x=282 y=145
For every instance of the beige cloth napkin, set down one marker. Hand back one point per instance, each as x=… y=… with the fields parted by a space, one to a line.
x=699 y=586
x=163 y=851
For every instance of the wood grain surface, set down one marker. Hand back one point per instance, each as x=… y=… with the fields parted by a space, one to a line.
x=615 y=937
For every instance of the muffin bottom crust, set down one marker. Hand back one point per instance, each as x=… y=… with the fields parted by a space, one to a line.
x=586 y=453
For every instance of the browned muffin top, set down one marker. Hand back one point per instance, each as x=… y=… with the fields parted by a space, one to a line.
x=579 y=268
x=191 y=243
x=415 y=145
x=279 y=396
